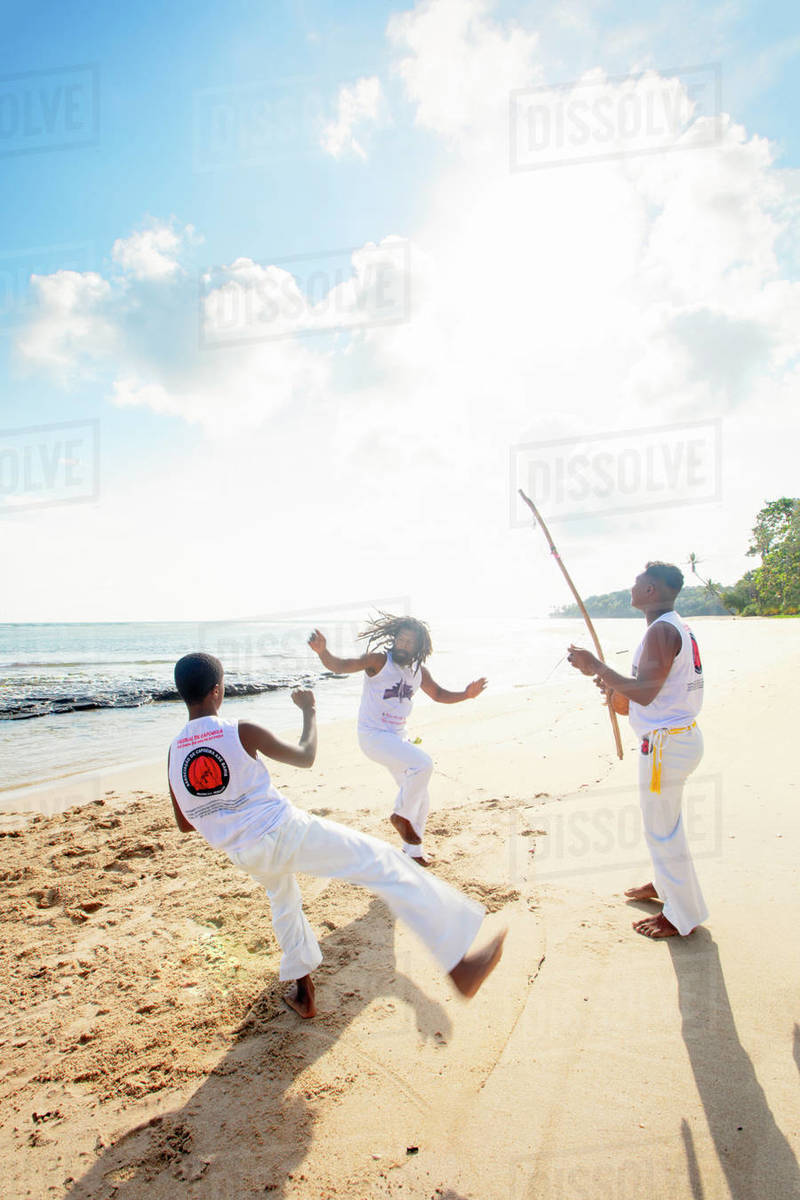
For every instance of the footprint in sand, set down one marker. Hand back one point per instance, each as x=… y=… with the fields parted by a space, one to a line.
x=257 y=945
x=144 y=850
x=50 y=1115
x=16 y=875
x=493 y=898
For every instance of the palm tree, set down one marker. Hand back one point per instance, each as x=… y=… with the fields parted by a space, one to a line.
x=710 y=586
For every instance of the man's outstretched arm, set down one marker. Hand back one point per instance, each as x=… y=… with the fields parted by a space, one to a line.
x=180 y=819
x=256 y=738
x=442 y=696
x=370 y=662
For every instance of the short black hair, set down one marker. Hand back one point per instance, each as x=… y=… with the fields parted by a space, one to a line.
x=196 y=675
x=667 y=576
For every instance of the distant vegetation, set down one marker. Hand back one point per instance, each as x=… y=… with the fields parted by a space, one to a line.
x=769 y=590
x=692 y=602
x=773 y=589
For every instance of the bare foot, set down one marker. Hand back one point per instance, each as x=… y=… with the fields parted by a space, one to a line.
x=646 y=892
x=420 y=861
x=405 y=829
x=655 y=927
x=469 y=974
x=300 y=997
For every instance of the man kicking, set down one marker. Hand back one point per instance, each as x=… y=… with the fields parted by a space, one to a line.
x=662 y=698
x=221 y=788
x=397 y=648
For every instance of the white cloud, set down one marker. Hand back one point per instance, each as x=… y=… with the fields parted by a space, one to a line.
x=151 y=253
x=226 y=361
x=459 y=66
x=357 y=106
x=571 y=301
x=69 y=323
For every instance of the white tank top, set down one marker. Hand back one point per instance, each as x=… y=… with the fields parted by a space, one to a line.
x=388 y=697
x=227 y=795
x=681 y=695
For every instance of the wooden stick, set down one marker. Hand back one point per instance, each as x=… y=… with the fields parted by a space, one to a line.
x=537 y=518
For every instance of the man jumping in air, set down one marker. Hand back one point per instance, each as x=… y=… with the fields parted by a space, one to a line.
x=221 y=788
x=393 y=666
x=662 y=698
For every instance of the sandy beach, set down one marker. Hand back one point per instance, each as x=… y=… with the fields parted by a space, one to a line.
x=146 y=1051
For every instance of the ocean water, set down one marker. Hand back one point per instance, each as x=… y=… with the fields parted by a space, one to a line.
x=79 y=697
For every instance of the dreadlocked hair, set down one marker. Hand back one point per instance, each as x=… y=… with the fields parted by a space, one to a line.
x=383 y=629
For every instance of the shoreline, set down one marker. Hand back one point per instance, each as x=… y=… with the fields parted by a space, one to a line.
x=54 y=796
x=529 y=653
x=22 y=796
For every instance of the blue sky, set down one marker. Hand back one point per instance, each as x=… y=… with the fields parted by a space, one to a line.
x=153 y=58
x=408 y=406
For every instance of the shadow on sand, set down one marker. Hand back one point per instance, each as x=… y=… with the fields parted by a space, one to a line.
x=757 y=1159
x=247 y=1128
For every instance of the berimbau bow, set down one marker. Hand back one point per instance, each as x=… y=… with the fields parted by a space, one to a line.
x=581 y=606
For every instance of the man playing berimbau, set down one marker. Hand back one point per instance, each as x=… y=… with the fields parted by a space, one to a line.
x=394 y=670
x=662 y=698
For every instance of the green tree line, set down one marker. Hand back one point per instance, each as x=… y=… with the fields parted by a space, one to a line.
x=771 y=589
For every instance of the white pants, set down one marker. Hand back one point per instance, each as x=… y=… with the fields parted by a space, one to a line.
x=442 y=918
x=411 y=768
x=673 y=871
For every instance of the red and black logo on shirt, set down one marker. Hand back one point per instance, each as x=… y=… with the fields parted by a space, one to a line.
x=698 y=666
x=205 y=772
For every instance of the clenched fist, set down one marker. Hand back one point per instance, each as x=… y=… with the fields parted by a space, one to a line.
x=317 y=642
x=304 y=698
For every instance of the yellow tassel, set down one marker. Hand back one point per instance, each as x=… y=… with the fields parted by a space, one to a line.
x=657 y=742
x=655 y=778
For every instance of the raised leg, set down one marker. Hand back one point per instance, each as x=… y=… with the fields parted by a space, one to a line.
x=444 y=919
